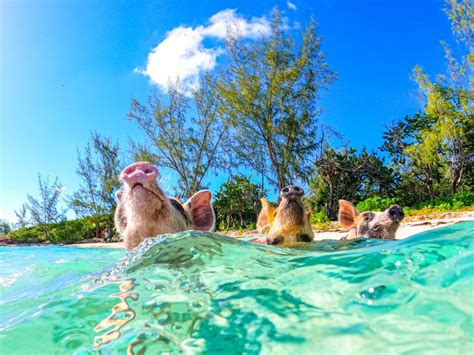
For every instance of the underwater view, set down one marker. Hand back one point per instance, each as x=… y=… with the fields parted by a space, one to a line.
x=199 y=292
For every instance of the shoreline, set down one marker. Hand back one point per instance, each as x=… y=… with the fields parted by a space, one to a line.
x=413 y=226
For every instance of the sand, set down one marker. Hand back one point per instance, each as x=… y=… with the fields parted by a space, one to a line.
x=407 y=229
x=414 y=225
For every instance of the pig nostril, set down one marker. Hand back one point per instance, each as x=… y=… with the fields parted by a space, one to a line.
x=285 y=190
x=394 y=211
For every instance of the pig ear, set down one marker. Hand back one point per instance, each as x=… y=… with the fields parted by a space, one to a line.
x=347 y=214
x=264 y=219
x=118 y=194
x=270 y=213
x=264 y=202
x=200 y=211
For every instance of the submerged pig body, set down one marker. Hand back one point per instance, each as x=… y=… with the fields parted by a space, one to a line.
x=143 y=210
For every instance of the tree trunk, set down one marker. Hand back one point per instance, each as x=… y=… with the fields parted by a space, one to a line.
x=330 y=204
x=456 y=180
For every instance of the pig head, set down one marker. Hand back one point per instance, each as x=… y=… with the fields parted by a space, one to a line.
x=143 y=210
x=379 y=225
x=288 y=223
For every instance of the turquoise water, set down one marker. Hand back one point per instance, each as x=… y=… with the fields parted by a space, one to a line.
x=199 y=292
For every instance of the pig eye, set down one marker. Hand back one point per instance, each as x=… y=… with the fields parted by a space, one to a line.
x=368 y=217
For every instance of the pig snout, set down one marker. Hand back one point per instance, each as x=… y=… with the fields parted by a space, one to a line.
x=395 y=213
x=139 y=173
x=292 y=191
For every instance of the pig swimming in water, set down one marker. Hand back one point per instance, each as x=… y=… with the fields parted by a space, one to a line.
x=288 y=223
x=143 y=210
x=378 y=225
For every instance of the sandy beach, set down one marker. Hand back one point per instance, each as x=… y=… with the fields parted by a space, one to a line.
x=412 y=226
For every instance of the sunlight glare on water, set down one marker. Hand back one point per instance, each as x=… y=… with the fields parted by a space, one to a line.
x=202 y=292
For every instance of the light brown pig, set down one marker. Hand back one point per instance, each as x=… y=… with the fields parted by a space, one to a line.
x=379 y=225
x=288 y=223
x=143 y=210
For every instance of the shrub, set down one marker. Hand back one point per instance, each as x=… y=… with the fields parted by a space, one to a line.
x=319 y=217
x=447 y=203
x=28 y=235
x=376 y=203
x=237 y=203
x=65 y=232
x=68 y=232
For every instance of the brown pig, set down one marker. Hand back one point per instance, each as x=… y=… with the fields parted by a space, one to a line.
x=379 y=225
x=289 y=222
x=143 y=210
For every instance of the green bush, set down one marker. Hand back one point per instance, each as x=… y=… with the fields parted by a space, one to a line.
x=448 y=203
x=28 y=235
x=68 y=232
x=375 y=204
x=319 y=217
x=65 y=232
x=237 y=203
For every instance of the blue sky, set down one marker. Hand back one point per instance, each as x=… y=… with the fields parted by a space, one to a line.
x=69 y=67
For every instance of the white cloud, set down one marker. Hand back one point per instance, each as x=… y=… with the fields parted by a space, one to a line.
x=181 y=56
x=291 y=6
x=226 y=20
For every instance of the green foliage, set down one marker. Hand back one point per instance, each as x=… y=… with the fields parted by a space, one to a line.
x=448 y=203
x=98 y=169
x=237 y=203
x=43 y=210
x=269 y=93
x=345 y=174
x=5 y=227
x=65 y=232
x=191 y=146
x=22 y=216
x=33 y=234
x=319 y=217
x=433 y=150
x=376 y=203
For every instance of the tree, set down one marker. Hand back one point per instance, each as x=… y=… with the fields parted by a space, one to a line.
x=449 y=98
x=435 y=148
x=189 y=145
x=22 y=216
x=5 y=227
x=415 y=157
x=269 y=93
x=237 y=203
x=345 y=174
x=98 y=170
x=44 y=209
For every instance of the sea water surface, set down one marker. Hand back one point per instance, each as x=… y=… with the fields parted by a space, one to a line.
x=197 y=292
